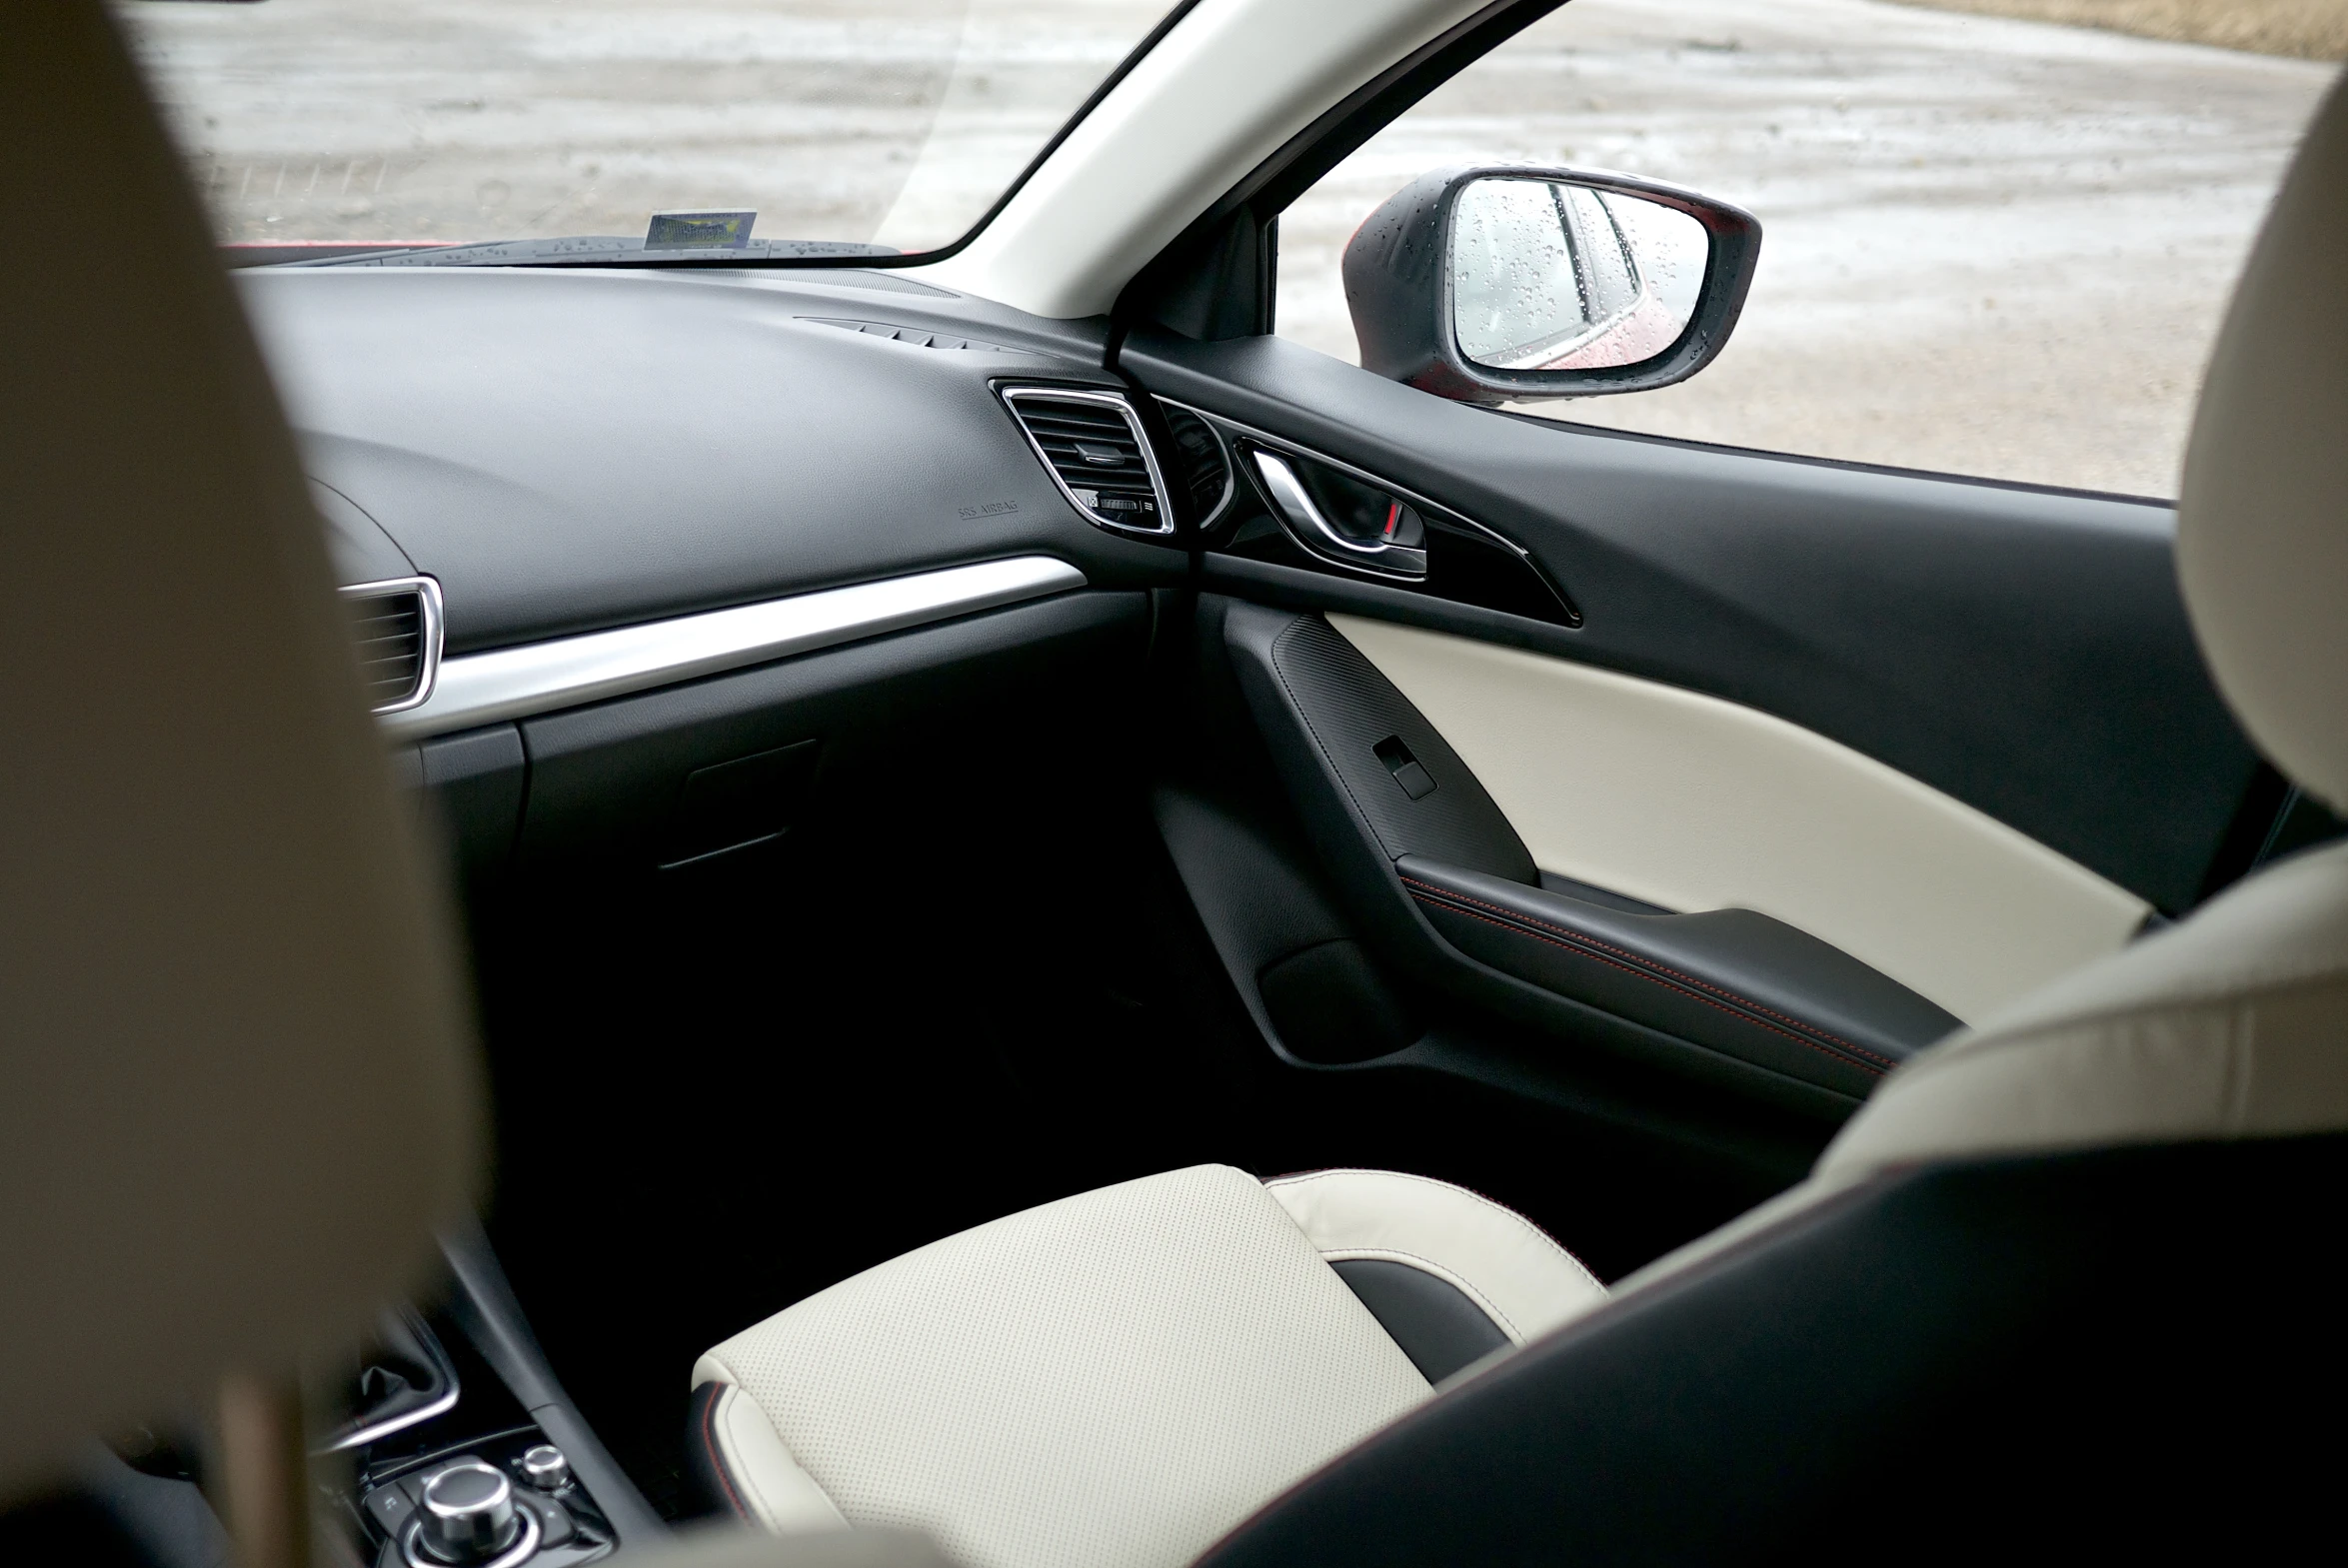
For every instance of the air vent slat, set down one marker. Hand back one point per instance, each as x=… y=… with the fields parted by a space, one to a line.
x=1065 y=437
x=1093 y=445
x=1092 y=449
x=1058 y=419
x=396 y=628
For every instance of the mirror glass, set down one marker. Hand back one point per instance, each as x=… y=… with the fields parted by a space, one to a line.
x=1554 y=277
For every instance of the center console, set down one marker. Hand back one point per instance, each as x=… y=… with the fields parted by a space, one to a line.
x=497 y=1502
x=461 y=1449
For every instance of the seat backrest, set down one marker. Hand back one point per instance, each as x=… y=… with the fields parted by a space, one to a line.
x=2262 y=524
x=236 y=1093
x=2234 y=1024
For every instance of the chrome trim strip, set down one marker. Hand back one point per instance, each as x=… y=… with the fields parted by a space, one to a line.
x=538 y=678
x=437 y=1355
x=1164 y=498
x=427 y=589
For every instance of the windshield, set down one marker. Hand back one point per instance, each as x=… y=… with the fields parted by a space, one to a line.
x=896 y=122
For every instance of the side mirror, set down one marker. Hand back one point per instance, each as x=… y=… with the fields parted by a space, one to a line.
x=1500 y=284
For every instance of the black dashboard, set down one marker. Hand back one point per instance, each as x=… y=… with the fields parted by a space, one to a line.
x=572 y=450
x=702 y=547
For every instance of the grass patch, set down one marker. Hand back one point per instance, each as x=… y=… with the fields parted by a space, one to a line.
x=2307 y=29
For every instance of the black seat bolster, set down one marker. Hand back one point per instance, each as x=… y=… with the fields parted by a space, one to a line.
x=1731 y=981
x=2122 y=1347
x=1435 y=1322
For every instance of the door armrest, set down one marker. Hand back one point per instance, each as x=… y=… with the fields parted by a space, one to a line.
x=1731 y=981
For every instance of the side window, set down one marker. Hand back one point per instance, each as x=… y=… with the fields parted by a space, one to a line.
x=1993 y=244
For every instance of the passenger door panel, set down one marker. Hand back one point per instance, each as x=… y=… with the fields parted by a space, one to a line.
x=2022 y=651
x=1834 y=760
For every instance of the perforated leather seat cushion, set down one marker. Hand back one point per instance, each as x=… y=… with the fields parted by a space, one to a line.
x=1113 y=1379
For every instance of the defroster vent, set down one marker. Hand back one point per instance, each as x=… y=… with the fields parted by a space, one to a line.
x=1092 y=442
x=397 y=627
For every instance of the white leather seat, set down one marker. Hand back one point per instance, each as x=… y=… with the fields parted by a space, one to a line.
x=1121 y=1377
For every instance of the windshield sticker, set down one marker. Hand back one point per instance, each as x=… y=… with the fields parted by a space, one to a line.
x=690 y=231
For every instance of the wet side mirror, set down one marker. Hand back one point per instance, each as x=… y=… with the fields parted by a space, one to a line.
x=1496 y=285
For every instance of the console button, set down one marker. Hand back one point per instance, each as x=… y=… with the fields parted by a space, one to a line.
x=389 y=1508
x=545 y=1467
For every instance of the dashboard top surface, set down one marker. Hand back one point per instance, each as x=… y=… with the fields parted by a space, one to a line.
x=568 y=451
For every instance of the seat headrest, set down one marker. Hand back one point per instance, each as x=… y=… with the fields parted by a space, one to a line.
x=2262 y=524
x=237 y=1094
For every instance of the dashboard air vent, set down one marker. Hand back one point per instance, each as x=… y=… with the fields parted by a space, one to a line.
x=1092 y=443
x=397 y=628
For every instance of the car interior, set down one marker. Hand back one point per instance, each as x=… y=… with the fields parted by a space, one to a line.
x=972 y=912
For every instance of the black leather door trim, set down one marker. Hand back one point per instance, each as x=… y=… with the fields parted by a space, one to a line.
x=1351 y=710
x=1733 y=980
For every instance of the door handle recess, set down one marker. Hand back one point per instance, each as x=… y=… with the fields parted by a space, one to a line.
x=1317 y=536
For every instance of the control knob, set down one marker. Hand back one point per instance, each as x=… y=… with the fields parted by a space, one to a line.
x=468 y=1515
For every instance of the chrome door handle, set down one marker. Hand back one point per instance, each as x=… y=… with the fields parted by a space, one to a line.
x=1317 y=536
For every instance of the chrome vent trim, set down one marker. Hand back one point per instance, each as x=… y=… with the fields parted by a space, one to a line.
x=396 y=624
x=1209 y=468
x=540 y=678
x=1092 y=445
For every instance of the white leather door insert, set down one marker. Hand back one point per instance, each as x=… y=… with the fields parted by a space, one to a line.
x=1693 y=803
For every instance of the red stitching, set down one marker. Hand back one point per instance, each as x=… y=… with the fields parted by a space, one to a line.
x=1666 y=984
x=1718 y=991
x=708 y=1441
